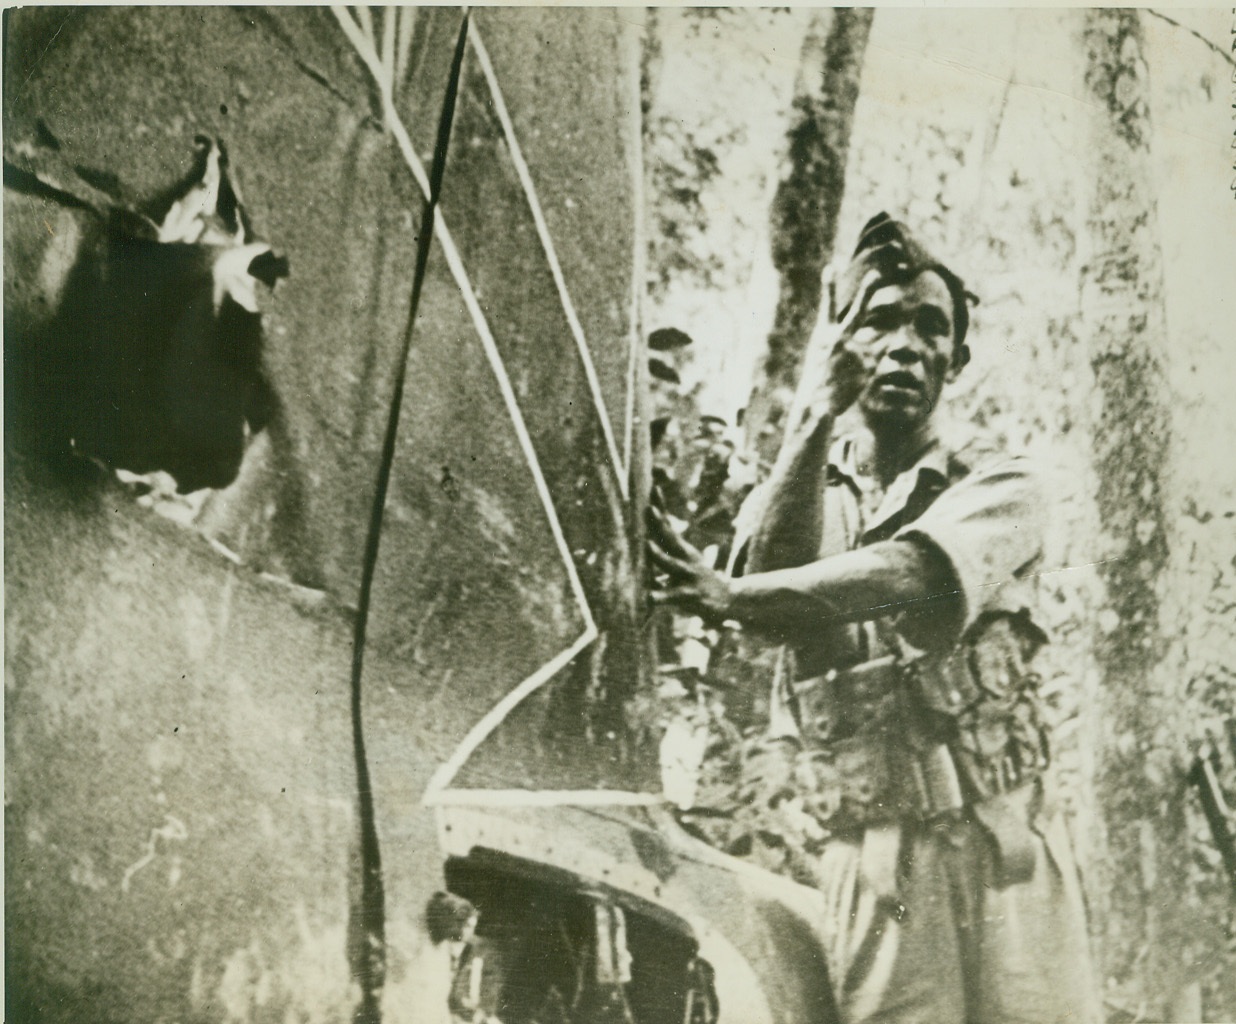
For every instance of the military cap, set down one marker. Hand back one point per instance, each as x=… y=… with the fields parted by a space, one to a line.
x=887 y=246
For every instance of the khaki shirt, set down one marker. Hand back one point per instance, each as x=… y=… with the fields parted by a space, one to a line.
x=986 y=521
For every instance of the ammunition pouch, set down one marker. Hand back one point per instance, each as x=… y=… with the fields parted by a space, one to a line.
x=901 y=740
x=988 y=690
x=1006 y=819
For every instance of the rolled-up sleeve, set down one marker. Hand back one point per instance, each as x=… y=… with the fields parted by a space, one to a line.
x=990 y=527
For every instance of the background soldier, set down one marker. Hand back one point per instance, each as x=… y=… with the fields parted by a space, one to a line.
x=898 y=572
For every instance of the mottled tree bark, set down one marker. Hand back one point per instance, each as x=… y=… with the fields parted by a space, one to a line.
x=806 y=205
x=1141 y=909
x=649 y=66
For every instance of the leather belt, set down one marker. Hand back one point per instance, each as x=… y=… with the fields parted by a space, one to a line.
x=942 y=779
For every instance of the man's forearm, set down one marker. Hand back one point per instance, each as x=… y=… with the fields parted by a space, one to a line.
x=791 y=605
x=789 y=528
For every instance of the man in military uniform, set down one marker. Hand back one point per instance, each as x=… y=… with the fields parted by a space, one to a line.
x=897 y=573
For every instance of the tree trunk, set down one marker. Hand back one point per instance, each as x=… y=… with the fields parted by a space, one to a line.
x=806 y=205
x=1142 y=899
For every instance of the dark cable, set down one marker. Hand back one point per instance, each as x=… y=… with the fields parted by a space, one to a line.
x=369 y=965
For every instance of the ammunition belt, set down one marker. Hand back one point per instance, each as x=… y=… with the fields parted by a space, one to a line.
x=877 y=749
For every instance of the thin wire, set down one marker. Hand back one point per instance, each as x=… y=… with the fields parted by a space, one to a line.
x=446 y=772
x=635 y=348
x=551 y=256
x=477 y=735
x=459 y=273
x=388 y=51
x=405 y=26
x=365 y=19
x=370 y=968
x=439 y=787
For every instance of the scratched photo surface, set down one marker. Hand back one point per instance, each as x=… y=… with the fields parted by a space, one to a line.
x=346 y=351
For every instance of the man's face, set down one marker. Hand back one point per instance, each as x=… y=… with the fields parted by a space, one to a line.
x=905 y=337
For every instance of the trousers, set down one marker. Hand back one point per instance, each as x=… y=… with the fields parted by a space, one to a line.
x=918 y=929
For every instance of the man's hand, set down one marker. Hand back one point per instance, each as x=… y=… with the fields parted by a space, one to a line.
x=834 y=372
x=693 y=586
